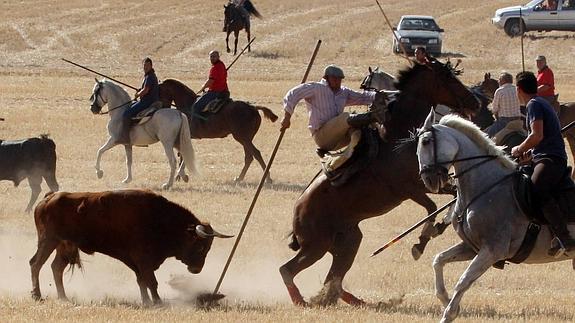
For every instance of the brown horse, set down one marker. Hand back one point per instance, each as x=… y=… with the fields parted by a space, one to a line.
x=234 y=21
x=238 y=118
x=326 y=218
x=566 y=112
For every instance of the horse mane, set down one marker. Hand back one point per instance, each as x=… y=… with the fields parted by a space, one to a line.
x=473 y=132
x=182 y=85
x=116 y=88
x=407 y=74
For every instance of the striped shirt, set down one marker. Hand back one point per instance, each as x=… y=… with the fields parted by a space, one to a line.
x=505 y=102
x=322 y=103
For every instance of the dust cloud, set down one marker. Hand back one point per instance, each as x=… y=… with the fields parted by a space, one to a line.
x=106 y=280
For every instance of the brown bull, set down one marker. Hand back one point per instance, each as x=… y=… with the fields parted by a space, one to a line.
x=139 y=228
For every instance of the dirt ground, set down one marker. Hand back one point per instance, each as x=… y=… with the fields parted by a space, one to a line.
x=39 y=94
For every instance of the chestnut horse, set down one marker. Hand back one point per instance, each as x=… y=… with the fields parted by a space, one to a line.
x=240 y=119
x=326 y=218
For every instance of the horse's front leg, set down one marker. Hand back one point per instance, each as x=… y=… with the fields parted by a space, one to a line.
x=227 y=40
x=478 y=266
x=128 y=178
x=109 y=144
x=249 y=39
x=236 y=35
x=459 y=252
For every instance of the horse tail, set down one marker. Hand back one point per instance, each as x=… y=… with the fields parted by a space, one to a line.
x=249 y=6
x=186 y=148
x=294 y=244
x=267 y=113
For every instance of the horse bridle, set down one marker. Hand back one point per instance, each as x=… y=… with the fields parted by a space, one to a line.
x=437 y=164
x=97 y=95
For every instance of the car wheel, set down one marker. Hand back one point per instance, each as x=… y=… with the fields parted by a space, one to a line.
x=513 y=27
x=395 y=48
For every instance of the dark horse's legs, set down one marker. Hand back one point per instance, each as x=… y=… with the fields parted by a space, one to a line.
x=427 y=231
x=343 y=251
x=307 y=256
x=249 y=38
x=250 y=151
x=227 y=39
x=236 y=34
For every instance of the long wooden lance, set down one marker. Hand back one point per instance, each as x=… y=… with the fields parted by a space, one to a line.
x=432 y=215
x=521 y=32
x=400 y=44
x=120 y=82
x=413 y=227
x=240 y=54
x=261 y=184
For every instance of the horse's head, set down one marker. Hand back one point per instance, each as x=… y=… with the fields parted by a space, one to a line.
x=433 y=148
x=97 y=99
x=489 y=85
x=438 y=83
x=378 y=80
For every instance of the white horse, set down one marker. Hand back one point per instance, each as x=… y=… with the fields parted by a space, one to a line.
x=379 y=80
x=168 y=126
x=487 y=215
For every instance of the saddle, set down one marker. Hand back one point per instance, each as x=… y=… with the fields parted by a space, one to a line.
x=216 y=105
x=342 y=165
x=515 y=126
x=147 y=113
x=564 y=195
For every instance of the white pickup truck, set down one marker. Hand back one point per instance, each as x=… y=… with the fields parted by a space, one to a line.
x=536 y=15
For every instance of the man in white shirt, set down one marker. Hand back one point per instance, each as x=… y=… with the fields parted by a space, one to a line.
x=505 y=105
x=329 y=124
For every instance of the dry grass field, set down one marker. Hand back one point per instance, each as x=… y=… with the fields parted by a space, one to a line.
x=41 y=94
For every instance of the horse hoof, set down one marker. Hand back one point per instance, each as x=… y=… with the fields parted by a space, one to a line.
x=416 y=251
x=100 y=173
x=269 y=180
x=238 y=180
x=228 y=50
x=178 y=177
x=127 y=181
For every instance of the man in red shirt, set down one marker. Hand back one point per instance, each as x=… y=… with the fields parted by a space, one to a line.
x=217 y=84
x=546 y=82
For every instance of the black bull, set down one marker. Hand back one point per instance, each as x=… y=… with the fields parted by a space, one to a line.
x=34 y=159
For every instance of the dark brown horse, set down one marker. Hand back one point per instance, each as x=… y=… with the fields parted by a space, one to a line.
x=326 y=218
x=240 y=119
x=566 y=112
x=234 y=21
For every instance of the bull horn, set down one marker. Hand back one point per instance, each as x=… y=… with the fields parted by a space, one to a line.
x=203 y=233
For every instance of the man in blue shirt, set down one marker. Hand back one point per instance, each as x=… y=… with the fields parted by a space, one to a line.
x=549 y=157
x=148 y=94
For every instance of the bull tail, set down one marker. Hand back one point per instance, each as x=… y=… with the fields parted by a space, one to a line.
x=267 y=113
x=186 y=148
x=49 y=157
x=294 y=244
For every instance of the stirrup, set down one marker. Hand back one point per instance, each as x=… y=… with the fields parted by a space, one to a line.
x=557 y=248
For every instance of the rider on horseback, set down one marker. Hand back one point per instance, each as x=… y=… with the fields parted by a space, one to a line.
x=329 y=125
x=148 y=94
x=216 y=83
x=549 y=157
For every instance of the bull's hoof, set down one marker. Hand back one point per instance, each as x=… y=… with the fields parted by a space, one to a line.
x=185 y=178
x=416 y=251
x=36 y=296
x=100 y=173
x=177 y=178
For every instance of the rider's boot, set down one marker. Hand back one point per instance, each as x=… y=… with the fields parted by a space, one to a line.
x=563 y=242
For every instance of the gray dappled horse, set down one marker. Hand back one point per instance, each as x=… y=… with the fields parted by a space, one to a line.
x=486 y=213
x=168 y=126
